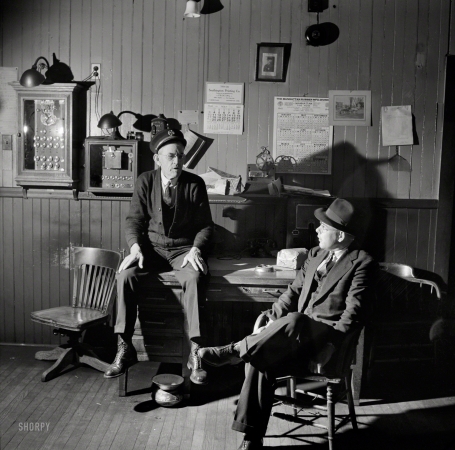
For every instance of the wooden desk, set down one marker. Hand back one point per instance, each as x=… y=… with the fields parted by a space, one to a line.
x=235 y=295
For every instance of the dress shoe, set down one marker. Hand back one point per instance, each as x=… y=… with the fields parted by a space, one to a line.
x=198 y=374
x=126 y=355
x=251 y=444
x=220 y=356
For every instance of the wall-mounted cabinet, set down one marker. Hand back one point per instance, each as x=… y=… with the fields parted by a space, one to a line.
x=52 y=128
x=112 y=166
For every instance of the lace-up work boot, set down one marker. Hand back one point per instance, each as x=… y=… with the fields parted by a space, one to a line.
x=251 y=444
x=198 y=374
x=126 y=355
x=221 y=356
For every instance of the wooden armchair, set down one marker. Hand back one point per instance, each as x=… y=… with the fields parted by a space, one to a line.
x=93 y=290
x=329 y=388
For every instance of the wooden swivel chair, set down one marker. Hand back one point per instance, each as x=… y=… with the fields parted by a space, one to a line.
x=93 y=290
x=336 y=382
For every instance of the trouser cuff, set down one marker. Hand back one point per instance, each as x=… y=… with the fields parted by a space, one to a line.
x=247 y=429
x=243 y=353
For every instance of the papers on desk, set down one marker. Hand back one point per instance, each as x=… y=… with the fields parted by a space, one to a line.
x=222 y=183
x=305 y=191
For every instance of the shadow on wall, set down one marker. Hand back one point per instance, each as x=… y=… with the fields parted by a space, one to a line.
x=366 y=185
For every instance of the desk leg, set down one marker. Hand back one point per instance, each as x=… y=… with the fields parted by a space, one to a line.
x=357 y=369
x=123 y=384
x=186 y=352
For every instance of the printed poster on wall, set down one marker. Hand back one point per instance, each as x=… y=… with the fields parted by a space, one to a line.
x=302 y=137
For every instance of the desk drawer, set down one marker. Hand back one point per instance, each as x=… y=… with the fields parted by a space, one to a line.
x=158 y=345
x=154 y=321
x=243 y=293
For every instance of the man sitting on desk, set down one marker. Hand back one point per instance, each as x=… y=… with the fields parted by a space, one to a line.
x=328 y=298
x=169 y=226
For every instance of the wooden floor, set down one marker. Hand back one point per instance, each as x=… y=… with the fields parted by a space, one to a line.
x=81 y=410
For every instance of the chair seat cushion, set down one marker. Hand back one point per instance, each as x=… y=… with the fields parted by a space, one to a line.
x=69 y=318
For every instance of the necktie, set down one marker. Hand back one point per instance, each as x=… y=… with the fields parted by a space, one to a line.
x=167 y=196
x=329 y=262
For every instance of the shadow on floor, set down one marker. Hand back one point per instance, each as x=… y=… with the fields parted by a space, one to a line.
x=417 y=429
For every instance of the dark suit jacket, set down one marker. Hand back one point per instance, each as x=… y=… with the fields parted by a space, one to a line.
x=344 y=299
x=192 y=223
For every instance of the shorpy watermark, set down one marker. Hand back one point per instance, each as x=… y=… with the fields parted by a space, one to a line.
x=34 y=427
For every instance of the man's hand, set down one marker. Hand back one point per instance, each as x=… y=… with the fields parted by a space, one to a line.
x=195 y=259
x=257 y=331
x=322 y=358
x=135 y=255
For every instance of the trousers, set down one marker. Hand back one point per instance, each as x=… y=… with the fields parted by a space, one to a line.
x=131 y=281
x=286 y=345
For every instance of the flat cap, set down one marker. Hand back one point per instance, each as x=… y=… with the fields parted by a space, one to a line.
x=164 y=137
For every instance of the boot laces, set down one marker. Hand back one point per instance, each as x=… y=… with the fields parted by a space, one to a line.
x=228 y=348
x=196 y=359
x=245 y=444
x=121 y=352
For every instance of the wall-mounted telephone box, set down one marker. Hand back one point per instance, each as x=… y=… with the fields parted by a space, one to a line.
x=112 y=166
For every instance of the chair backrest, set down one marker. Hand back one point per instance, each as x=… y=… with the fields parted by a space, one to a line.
x=94 y=277
x=408 y=273
x=405 y=293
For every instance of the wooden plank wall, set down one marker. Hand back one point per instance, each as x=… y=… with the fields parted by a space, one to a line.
x=152 y=61
x=36 y=234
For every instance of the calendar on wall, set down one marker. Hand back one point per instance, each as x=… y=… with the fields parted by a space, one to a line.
x=302 y=137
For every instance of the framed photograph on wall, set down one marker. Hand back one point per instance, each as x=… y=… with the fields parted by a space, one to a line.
x=271 y=61
x=347 y=108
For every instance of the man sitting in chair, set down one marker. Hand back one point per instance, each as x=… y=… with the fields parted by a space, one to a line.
x=328 y=298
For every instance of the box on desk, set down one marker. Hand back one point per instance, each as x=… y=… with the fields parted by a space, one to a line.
x=291 y=258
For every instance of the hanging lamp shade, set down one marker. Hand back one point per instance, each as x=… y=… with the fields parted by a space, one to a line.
x=211 y=6
x=192 y=9
x=33 y=77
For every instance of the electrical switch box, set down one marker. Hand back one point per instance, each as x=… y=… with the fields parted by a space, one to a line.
x=112 y=166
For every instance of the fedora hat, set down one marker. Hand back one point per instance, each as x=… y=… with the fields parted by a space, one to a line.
x=338 y=215
x=166 y=137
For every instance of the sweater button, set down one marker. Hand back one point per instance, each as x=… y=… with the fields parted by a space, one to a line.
x=159 y=209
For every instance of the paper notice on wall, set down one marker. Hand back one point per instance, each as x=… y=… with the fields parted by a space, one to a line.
x=223 y=119
x=396 y=125
x=8 y=101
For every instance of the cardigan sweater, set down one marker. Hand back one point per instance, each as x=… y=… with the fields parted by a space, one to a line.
x=192 y=223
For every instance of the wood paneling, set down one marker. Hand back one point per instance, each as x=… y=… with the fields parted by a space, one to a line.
x=36 y=234
x=152 y=61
